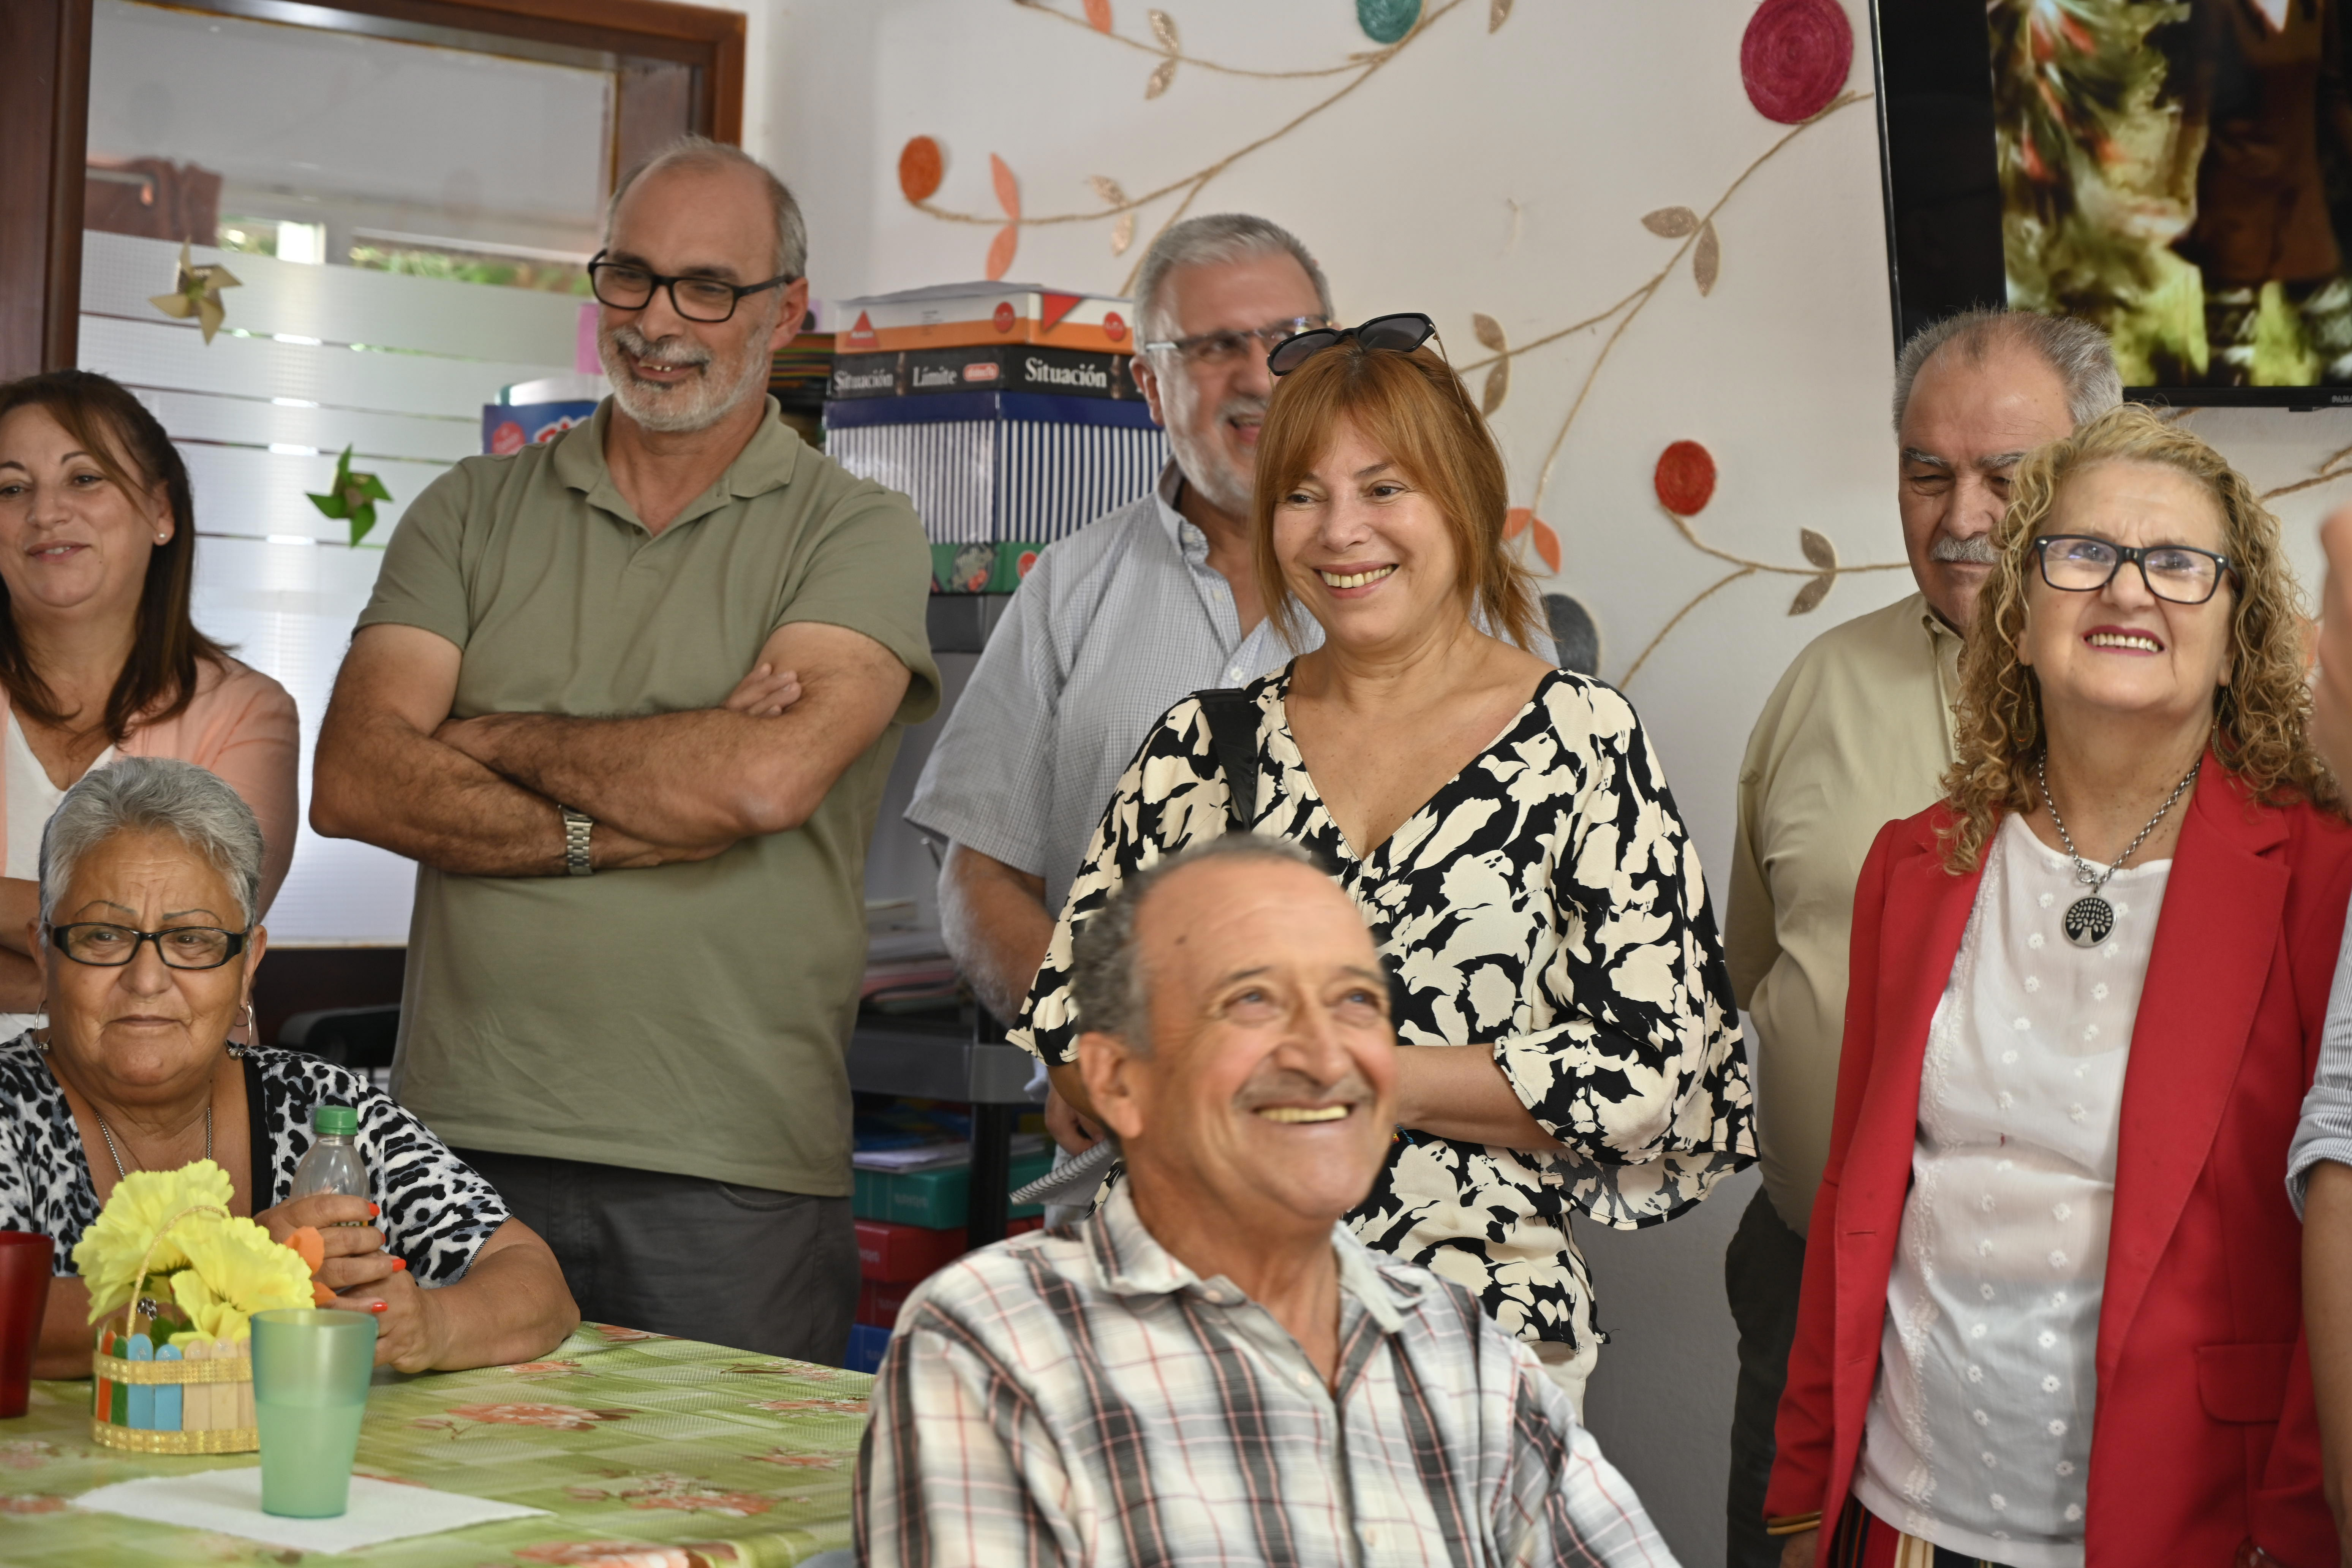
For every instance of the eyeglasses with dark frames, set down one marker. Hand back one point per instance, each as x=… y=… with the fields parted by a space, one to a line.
x=625 y=286
x=2178 y=573
x=104 y=946
x=1400 y=333
x=1223 y=348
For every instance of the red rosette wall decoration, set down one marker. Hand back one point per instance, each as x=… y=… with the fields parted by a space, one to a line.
x=919 y=167
x=1685 y=479
x=1794 y=58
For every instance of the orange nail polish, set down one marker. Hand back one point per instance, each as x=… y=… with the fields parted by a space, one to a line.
x=373 y=1211
x=400 y=1263
x=379 y=1307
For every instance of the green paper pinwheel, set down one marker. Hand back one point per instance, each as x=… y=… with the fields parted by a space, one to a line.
x=353 y=496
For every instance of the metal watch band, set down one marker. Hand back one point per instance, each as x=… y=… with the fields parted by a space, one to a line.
x=576 y=826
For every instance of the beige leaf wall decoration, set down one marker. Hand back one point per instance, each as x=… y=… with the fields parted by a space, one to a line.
x=1111 y=194
x=1163 y=28
x=1818 y=550
x=1122 y=234
x=1497 y=13
x=1670 y=223
x=1498 y=379
x=1707 y=260
x=1161 y=75
x=1809 y=598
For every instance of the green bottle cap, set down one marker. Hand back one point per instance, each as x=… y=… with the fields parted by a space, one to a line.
x=335 y=1121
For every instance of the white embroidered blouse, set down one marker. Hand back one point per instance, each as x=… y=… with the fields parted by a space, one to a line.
x=1979 y=1434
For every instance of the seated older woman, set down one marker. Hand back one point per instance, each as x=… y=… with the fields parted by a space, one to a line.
x=150 y=873
x=2051 y=1314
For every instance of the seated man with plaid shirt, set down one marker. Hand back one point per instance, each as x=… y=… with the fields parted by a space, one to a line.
x=1210 y=1370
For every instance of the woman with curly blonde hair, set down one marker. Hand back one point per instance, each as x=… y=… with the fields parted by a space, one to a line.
x=2088 y=986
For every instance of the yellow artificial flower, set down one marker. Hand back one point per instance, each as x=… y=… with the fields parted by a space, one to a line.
x=235 y=1271
x=107 y=1256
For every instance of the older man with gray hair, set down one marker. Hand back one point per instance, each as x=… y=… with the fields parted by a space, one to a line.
x=1115 y=623
x=1857 y=734
x=1212 y=1368
x=629 y=700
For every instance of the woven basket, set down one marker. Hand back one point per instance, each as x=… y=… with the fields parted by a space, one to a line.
x=209 y=1406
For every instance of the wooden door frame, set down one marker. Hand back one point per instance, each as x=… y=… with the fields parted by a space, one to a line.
x=44 y=124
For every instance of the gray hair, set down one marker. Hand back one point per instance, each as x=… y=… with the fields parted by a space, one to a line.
x=1108 y=978
x=701 y=153
x=1220 y=238
x=2078 y=350
x=149 y=795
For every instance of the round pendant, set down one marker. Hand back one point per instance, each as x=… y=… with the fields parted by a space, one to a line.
x=2089 y=919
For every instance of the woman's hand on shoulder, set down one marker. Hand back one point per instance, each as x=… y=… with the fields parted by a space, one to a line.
x=408 y=1326
x=354 y=1249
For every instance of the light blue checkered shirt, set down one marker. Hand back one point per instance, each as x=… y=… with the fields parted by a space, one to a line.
x=1111 y=629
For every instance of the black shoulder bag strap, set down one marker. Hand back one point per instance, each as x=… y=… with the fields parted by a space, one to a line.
x=1233 y=736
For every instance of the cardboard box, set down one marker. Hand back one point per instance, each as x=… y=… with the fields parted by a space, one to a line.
x=1061 y=373
x=879 y=1302
x=867 y=1345
x=508 y=428
x=940 y=1198
x=954 y=315
x=989 y=468
x=909 y=1254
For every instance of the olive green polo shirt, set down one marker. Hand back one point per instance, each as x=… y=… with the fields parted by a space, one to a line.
x=689 y=1018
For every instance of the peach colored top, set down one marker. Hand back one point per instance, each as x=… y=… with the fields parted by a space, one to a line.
x=241 y=724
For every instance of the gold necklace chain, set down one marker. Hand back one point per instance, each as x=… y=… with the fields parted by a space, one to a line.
x=116 y=1155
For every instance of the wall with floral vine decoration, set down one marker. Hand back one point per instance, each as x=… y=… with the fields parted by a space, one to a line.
x=1651 y=233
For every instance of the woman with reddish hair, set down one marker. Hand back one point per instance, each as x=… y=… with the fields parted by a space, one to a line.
x=1503 y=826
x=2051 y=1313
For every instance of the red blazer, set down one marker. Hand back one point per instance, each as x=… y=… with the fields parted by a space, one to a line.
x=2205 y=1433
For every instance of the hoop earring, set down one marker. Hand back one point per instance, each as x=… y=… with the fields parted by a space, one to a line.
x=246 y=1024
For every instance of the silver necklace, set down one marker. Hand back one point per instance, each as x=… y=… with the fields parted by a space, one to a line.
x=2090 y=918
x=108 y=1134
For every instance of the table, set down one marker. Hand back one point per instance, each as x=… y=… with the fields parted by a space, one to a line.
x=678 y=1454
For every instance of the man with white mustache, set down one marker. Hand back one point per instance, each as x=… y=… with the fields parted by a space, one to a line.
x=1210 y=1368
x=1119 y=621
x=639 y=925
x=1856 y=735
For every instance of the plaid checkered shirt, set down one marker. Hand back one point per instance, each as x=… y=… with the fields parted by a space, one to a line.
x=1078 y=1397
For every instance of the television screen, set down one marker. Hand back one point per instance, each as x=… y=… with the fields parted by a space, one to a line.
x=2177 y=171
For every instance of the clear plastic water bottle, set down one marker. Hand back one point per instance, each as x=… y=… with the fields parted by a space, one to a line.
x=333 y=1163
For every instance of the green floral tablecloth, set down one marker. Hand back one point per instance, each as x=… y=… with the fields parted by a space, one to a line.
x=648 y=1452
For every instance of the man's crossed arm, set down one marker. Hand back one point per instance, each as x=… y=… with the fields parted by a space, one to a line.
x=476 y=797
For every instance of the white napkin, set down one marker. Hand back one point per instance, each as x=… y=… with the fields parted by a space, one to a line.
x=229 y=1501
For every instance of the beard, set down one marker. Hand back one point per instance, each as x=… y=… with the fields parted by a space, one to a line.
x=696 y=404
x=1208 y=464
x=1974 y=550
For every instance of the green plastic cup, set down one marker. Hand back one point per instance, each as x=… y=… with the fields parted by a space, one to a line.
x=310 y=1371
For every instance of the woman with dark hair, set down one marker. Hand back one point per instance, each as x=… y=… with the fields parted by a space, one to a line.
x=98 y=656
x=2052 y=1314
x=1503 y=826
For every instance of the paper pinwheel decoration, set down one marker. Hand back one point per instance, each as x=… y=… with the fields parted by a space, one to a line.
x=196 y=292
x=353 y=496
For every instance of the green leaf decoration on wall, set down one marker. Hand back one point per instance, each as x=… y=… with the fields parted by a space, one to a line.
x=353 y=496
x=1387 y=21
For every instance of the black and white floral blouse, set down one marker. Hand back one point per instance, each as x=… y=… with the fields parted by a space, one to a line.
x=1545 y=905
x=437 y=1211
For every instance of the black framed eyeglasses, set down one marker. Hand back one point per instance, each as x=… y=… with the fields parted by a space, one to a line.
x=625 y=286
x=2180 y=574
x=1223 y=348
x=1400 y=333
x=105 y=946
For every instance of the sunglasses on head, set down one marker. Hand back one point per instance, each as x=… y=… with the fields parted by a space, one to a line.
x=1400 y=333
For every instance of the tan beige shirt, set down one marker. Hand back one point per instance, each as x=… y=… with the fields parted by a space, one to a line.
x=1857 y=734
x=690 y=1017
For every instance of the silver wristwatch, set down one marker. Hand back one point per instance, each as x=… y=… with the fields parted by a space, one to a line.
x=576 y=826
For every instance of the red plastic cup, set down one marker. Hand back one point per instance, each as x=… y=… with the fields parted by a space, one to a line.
x=24 y=1296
